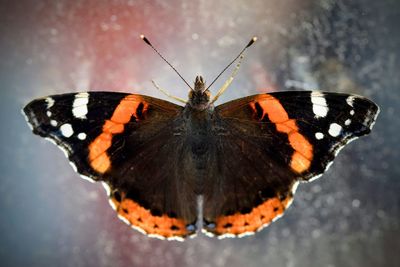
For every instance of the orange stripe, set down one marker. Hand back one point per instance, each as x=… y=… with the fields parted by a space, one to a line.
x=299 y=163
x=303 y=154
x=126 y=108
x=99 y=160
x=261 y=215
x=101 y=163
x=140 y=217
x=112 y=127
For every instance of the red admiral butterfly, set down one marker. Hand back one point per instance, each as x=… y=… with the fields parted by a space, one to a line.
x=229 y=170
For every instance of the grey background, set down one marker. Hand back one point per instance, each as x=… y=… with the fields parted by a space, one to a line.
x=49 y=216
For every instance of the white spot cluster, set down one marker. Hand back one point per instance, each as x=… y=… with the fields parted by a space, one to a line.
x=79 y=107
x=66 y=130
x=334 y=129
x=50 y=103
x=350 y=102
x=320 y=108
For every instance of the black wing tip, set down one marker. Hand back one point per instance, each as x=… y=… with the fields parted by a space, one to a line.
x=369 y=113
x=32 y=113
x=29 y=116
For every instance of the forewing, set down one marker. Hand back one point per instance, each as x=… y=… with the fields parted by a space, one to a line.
x=266 y=143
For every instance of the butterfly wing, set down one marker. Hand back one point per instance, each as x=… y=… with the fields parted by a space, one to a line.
x=265 y=144
x=125 y=141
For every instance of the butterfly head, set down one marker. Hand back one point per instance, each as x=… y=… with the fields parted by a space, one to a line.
x=199 y=97
x=199 y=84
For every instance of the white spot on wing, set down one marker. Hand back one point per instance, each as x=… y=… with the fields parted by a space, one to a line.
x=50 y=102
x=320 y=111
x=320 y=107
x=319 y=135
x=53 y=123
x=374 y=120
x=226 y=236
x=245 y=234
x=315 y=177
x=277 y=217
x=48 y=113
x=79 y=107
x=334 y=129
x=295 y=186
x=350 y=100
x=207 y=233
x=289 y=203
x=27 y=119
x=352 y=112
x=107 y=188
x=112 y=204
x=87 y=178
x=368 y=120
x=137 y=228
x=80 y=112
x=73 y=166
x=347 y=122
x=82 y=136
x=66 y=130
x=155 y=236
x=125 y=220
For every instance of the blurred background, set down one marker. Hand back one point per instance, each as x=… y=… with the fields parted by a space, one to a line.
x=51 y=217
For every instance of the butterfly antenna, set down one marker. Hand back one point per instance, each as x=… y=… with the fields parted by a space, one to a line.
x=241 y=52
x=148 y=42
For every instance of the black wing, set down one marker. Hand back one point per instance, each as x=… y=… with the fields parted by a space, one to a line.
x=266 y=143
x=125 y=141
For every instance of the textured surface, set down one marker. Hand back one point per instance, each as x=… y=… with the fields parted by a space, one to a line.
x=349 y=217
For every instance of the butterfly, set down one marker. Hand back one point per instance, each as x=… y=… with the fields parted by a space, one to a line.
x=227 y=170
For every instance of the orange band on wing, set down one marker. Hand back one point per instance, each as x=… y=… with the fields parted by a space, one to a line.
x=142 y=218
x=303 y=150
x=99 y=160
x=250 y=222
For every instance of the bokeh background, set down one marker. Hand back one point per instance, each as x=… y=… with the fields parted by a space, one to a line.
x=51 y=217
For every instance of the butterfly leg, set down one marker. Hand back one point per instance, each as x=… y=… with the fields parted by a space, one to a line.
x=167 y=93
x=228 y=82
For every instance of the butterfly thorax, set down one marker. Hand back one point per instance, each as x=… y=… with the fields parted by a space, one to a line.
x=199 y=97
x=199 y=139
